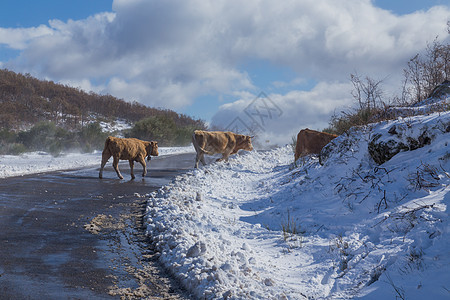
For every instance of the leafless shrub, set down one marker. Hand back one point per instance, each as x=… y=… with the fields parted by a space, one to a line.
x=425 y=71
x=414 y=261
x=291 y=229
x=342 y=247
x=365 y=184
x=399 y=291
x=426 y=177
x=404 y=221
x=383 y=200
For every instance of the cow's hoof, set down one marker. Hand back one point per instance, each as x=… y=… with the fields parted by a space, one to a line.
x=120 y=177
x=133 y=177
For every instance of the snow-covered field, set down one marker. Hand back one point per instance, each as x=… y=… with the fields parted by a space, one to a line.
x=259 y=227
x=37 y=162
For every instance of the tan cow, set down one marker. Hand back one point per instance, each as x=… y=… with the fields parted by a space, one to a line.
x=127 y=149
x=224 y=142
x=311 y=142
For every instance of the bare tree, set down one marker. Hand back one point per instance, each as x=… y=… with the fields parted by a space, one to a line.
x=368 y=92
x=424 y=72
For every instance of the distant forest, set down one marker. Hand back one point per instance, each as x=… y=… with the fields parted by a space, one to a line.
x=27 y=102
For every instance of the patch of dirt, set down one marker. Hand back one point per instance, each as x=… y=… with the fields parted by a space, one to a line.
x=104 y=222
x=139 y=274
x=146 y=277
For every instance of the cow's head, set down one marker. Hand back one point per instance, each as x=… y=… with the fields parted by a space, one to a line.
x=152 y=149
x=244 y=142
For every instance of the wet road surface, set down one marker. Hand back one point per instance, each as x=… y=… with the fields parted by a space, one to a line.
x=70 y=235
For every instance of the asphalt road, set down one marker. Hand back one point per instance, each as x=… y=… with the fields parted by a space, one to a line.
x=70 y=235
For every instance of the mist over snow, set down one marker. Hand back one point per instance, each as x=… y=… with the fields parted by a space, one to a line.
x=183 y=54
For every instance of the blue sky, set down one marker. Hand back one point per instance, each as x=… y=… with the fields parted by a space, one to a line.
x=209 y=59
x=27 y=13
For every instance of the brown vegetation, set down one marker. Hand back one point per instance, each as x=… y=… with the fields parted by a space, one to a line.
x=43 y=115
x=27 y=100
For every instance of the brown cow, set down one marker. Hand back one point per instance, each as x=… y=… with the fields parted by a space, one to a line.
x=224 y=142
x=311 y=142
x=127 y=149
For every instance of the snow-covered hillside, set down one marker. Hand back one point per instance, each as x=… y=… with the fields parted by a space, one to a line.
x=259 y=227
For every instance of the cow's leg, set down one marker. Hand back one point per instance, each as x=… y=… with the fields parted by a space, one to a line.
x=116 y=166
x=225 y=156
x=197 y=159
x=105 y=156
x=141 y=160
x=131 y=168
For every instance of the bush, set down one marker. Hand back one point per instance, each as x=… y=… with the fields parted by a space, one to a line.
x=163 y=130
x=184 y=135
x=357 y=117
x=7 y=136
x=12 y=148
x=45 y=136
x=367 y=94
x=91 y=137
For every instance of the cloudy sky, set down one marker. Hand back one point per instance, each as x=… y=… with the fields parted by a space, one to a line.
x=271 y=66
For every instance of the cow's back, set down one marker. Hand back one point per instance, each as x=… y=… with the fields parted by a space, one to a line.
x=125 y=149
x=311 y=142
x=213 y=141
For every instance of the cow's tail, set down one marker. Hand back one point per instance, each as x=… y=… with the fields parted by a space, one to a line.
x=197 y=147
x=106 y=148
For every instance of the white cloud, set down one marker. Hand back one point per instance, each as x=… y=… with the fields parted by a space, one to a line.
x=167 y=53
x=19 y=38
x=290 y=112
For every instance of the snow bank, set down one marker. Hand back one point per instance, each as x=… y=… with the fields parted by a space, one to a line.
x=258 y=227
x=38 y=162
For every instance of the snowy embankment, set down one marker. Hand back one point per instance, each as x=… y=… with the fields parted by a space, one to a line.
x=259 y=227
x=38 y=162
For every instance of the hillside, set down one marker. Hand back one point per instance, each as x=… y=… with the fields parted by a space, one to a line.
x=261 y=227
x=25 y=100
x=38 y=115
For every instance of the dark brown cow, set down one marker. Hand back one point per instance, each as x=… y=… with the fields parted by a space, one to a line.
x=311 y=142
x=127 y=149
x=224 y=142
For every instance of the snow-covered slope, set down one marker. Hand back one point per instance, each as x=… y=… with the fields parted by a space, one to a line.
x=259 y=227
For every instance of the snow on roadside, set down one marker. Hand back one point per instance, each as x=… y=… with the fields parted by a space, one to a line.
x=259 y=228
x=38 y=162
